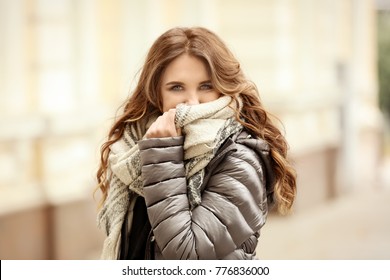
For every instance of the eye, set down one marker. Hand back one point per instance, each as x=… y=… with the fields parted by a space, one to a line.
x=206 y=86
x=176 y=88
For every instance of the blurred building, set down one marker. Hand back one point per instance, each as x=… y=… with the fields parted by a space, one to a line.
x=66 y=66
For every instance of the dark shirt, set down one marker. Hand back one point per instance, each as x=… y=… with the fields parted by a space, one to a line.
x=133 y=243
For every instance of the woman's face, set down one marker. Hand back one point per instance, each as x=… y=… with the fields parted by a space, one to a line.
x=186 y=80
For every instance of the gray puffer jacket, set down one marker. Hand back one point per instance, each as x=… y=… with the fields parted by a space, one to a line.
x=236 y=194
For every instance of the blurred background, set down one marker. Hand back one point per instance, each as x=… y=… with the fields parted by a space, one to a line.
x=322 y=67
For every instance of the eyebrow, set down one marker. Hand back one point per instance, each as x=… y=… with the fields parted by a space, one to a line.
x=174 y=83
x=181 y=83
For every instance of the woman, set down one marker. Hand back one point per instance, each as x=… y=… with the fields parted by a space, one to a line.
x=192 y=165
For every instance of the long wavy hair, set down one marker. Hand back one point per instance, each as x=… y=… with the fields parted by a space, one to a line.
x=227 y=78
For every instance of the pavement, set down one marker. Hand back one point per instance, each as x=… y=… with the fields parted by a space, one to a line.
x=353 y=226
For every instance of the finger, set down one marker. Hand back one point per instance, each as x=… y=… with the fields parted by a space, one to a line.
x=164 y=126
x=172 y=116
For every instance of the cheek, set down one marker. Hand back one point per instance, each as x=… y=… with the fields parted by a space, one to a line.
x=212 y=96
x=170 y=102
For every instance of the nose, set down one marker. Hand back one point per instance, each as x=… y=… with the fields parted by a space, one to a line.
x=192 y=99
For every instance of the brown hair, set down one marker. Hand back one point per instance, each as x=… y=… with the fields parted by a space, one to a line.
x=227 y=78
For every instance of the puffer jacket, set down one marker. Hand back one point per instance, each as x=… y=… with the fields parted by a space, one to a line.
x=236 y=194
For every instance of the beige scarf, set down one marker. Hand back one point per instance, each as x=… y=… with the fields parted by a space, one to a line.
x=205 y=126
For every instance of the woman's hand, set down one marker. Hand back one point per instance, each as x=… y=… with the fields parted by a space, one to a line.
x=164 y=126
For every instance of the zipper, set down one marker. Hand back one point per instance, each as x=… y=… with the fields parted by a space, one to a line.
x=149 y=248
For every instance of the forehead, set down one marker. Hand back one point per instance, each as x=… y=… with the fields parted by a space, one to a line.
x=186 y=67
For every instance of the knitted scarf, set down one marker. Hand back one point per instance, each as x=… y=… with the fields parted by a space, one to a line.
x=205 y=126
